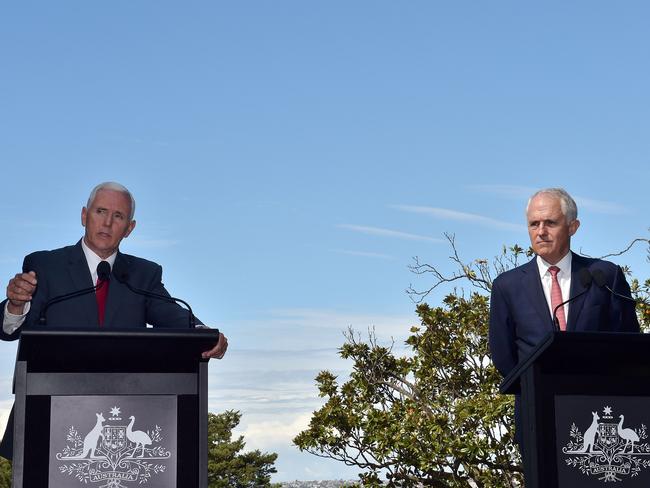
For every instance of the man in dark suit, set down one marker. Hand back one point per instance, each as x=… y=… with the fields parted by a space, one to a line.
x=107 y=219
x=523 y=298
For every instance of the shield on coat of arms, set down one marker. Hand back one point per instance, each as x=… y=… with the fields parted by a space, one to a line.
x=114 y=438
x=607 y=435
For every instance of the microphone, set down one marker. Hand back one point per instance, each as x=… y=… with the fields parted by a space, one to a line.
x=122 y=276
x=586 y=279
x=103 y=275
x=601 y=281
x=104 y=271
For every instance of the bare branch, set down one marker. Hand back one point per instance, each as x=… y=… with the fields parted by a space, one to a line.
x=634 y=241
x=479 y=273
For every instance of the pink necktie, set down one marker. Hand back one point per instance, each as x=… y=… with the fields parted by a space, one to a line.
x=101 y=293
x=556 y=296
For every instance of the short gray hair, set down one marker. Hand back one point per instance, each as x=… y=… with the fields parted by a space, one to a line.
x=111 y=185
x=567 y=204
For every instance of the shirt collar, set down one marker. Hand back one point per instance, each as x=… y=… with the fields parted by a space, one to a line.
x=93 y=259
x=564 y=264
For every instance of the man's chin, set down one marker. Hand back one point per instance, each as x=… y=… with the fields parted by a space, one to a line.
x=544 y=253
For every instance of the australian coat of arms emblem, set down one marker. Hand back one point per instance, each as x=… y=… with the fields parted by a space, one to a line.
x=116 y=453
x=608 y=449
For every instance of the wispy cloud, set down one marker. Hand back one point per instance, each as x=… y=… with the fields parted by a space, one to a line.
x=509 y=191
x=10 y=260
x=364 y=254
x=147 y=243
x=522 y=193
x=138 y=140
x=36 y=224
x=448 y=214
x=5 y=409
x=385 y=325
x=307 y=335
x=269 y=371
x=269 y=432
x=379 y=231
x=601 y=207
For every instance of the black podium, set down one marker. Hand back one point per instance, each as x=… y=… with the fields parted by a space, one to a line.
x=585 y=405
x=111 y=408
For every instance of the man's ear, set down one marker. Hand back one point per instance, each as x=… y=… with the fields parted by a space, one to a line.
x=84 y=213
x=130 y=229
x=573 y=227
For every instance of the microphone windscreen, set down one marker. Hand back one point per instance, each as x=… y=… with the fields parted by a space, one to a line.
x=103 y=271
x=599 y=277
x=585 y=277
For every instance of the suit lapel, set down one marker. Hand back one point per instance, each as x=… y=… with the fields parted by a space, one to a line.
x=80 y=276
x=532 y=284
x=575 y=307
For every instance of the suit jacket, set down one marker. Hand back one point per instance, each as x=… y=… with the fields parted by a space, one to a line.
x=64 y=271
x=520 y=317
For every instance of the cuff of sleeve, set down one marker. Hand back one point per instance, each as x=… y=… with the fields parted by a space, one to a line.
x=11 y=322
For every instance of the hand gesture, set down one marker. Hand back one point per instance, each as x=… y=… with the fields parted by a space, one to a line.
x=20 y=290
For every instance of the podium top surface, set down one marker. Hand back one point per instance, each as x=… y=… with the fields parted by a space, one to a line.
x=585 y=353
x=114 y=350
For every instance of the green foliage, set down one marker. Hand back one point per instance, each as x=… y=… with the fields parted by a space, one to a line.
x=432 y=417
x=5 y=473
x=228 y=467
x=641 y=293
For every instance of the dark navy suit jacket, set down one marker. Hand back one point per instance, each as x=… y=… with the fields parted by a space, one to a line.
x=64 y=271
x=520 y=317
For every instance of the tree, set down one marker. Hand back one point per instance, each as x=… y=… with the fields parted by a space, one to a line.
x=641 y=292
x=5 y=473
x=228 y=467
x=432 y=417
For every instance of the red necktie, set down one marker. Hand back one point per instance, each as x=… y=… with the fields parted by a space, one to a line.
x=556 y=297
x=101 y=293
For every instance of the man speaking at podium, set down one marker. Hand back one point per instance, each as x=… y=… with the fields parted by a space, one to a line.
x=525 y=298
x=107 y=219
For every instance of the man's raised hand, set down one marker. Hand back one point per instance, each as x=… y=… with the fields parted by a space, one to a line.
x=19 y=291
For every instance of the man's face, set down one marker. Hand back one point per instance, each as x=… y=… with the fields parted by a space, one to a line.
x=549 y=232
x=107 y=222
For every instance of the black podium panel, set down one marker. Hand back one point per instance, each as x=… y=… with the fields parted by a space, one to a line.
x=585 y=401
x=111 y=408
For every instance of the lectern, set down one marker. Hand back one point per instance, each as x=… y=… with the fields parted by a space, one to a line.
x=112 y=408
x=585 y=405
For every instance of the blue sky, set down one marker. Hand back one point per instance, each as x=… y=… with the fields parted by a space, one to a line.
x=290 y=158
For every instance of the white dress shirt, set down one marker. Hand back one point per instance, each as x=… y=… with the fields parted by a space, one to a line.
x=563 y=278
